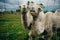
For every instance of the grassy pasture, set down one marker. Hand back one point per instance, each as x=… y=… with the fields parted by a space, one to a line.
x=12 y=29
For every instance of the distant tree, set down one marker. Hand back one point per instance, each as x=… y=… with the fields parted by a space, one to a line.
x=53 y=11
x=45 y=11
x=0 y=12
x=18 y=10
x=11 y=12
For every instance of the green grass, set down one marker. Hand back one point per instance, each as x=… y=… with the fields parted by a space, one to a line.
x=11 y=27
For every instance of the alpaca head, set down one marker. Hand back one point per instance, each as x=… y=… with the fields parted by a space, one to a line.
x=23 y=8
x=35 y=10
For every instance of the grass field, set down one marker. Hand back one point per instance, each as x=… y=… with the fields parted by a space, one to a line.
x=11 y=27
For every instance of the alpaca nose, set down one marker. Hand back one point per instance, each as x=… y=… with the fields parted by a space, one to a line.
x=32 y=10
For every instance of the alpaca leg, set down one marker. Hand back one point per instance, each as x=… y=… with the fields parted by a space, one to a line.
x=30 y=37
x=48 y=36
x=58 y=34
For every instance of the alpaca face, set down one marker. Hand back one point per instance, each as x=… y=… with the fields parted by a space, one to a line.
x=35 y=9
x=23 y=8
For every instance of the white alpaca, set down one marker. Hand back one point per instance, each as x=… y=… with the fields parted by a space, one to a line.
x=23 y=14
x=37 y=26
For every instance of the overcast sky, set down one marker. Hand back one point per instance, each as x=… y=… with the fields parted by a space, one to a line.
x=13 y=4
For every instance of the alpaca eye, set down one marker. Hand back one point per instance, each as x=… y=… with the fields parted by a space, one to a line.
x=39 y=9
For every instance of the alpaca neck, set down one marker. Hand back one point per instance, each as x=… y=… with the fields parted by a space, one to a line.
x=24 y=19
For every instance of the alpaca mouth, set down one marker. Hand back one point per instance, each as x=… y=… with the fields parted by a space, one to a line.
x=32 y=10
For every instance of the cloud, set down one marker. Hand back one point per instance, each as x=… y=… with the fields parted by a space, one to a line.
x=45 y=2
x=0 y=10
x=11 y=4
x=50 y=2
x=6 y=5
x=25 y=1
x=15 y=2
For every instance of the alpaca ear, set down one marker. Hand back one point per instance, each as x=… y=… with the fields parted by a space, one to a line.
x=21 y=8
x=42 y=6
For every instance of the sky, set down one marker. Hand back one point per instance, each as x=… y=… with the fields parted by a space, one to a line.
x=14 y=4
